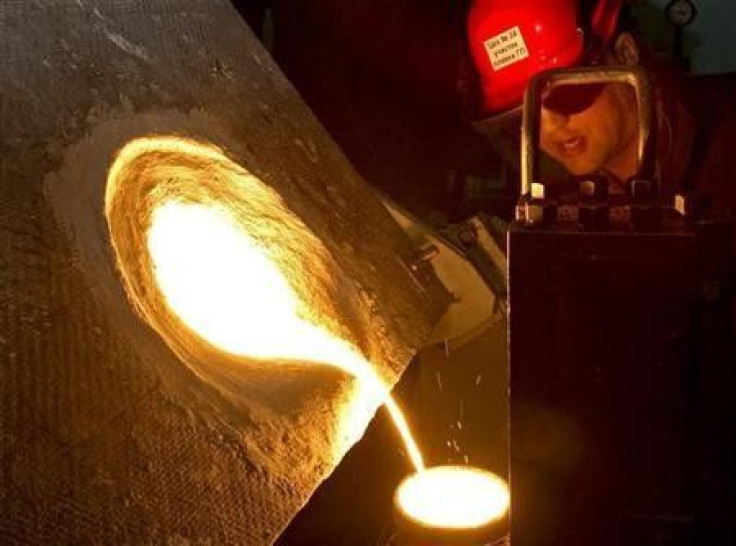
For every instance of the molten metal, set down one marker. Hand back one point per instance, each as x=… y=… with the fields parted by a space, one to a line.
x=222 y=284
x=234 y=277
x=453 y=497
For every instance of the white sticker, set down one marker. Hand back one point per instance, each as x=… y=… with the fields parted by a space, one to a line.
x=506 y=48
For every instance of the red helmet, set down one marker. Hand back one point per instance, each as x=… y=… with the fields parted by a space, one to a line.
x=512 y=40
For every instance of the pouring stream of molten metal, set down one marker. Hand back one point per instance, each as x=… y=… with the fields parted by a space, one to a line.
x=206 y=238
x=248 y=307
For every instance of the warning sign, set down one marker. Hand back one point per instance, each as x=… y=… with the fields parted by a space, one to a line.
x=506 y=48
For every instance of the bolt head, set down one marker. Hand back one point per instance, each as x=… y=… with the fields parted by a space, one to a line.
x=594 y=186
x=692 y=205
x=538 y=191
x=540 y=213
x=640 y=189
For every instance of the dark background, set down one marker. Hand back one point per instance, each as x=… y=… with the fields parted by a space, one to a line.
x=382 y=77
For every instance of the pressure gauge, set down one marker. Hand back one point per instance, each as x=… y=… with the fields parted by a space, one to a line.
x=680 y=13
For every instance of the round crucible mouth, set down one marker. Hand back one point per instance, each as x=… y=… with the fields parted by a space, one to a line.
x=452 y=505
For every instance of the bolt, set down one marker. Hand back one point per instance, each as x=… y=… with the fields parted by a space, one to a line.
x=540 y=210
x=594 y=186
x=644 y=213
x=593 y=206
x=538 y=191
x=640 y=189
x=693 y=205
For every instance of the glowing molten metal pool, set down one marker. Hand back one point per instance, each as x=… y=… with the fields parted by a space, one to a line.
x=452 y=498
x=236 y=266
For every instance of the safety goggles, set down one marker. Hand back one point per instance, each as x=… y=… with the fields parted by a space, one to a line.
x=566 y=100
x=569 y=100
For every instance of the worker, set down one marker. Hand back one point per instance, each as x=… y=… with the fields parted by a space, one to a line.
x=593 y=128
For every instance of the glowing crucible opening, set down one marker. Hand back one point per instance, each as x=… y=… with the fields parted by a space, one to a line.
x=221 y=283
x=452 y=497
x=223 y=253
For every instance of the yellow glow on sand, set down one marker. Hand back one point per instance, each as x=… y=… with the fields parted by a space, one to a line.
x=453 y=497
x=222 y=285
x=236 y=266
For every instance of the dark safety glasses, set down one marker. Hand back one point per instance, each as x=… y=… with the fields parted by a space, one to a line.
x=572 y=99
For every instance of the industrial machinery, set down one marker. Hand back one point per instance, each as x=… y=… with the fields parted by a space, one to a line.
x=620 y=355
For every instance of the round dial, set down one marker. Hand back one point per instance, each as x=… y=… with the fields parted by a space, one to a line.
x=680 y=12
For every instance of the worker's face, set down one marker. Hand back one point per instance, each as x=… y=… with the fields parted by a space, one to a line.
x=600 y=137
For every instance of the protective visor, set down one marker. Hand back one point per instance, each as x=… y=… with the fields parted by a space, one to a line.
x=504 y=130
x=569 y=100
